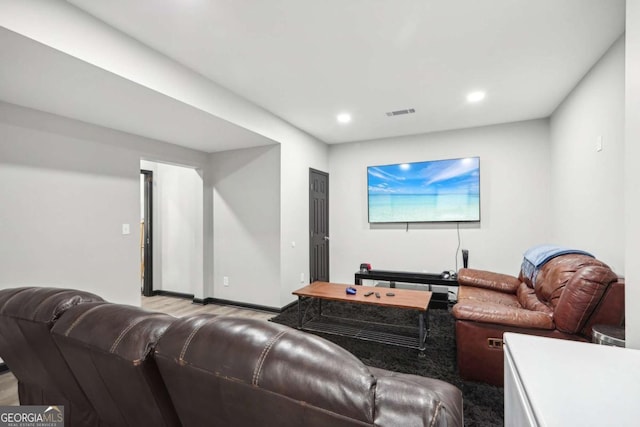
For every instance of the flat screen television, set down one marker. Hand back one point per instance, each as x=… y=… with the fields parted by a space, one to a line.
x=431 y=191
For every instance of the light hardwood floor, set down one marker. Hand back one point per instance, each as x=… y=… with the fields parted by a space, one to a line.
x=175 y=306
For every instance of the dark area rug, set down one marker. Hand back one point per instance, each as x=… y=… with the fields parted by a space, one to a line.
x=483 y=404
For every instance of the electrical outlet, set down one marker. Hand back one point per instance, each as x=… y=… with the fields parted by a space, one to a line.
x=126 y=229
x=225 y=281
x=301 y=277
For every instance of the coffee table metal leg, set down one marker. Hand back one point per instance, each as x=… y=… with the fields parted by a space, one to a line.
x=426 y=314
x=299 y=312
x=319 y=307
x=421 y=335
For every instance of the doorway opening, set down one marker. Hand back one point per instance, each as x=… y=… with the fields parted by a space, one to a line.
x=173 y=228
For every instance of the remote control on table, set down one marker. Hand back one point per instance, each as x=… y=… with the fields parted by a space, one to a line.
x=377 y=295
x=390 y=294
x=368 y=293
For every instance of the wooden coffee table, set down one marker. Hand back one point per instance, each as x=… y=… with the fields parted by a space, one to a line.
x=365 y=330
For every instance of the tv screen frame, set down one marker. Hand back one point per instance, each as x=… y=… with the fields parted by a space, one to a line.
x=430 y=191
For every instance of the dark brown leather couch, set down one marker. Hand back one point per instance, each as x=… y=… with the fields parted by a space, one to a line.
x=109 y=348
x=571 y=294
x=27 y=347
x=288 y=378
x=116 y=365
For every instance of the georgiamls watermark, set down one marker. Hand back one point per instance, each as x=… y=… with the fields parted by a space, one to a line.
x=32 y=416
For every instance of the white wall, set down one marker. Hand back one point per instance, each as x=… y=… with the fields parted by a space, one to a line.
x=57 y=25
x=177 y=228
x=514 y=182
x=67 y=188
x=246 y=225
x=261 y=220
x=588 y=185
x=632 y=187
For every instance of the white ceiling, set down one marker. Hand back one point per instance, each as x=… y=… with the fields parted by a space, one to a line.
x=308 y=60
x=36 y=76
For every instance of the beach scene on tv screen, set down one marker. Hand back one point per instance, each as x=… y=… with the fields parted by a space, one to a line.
x=431 y=191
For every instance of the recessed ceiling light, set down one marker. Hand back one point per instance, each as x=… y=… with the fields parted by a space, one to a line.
x=344 y=117
x=476 y=96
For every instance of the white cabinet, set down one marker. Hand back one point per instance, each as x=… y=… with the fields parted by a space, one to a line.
x=553 y=382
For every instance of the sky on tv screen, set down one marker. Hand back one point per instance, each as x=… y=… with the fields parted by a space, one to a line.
x=442 y=190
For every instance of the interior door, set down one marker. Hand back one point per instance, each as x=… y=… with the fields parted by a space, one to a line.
x=147 y=233
x=318 y=225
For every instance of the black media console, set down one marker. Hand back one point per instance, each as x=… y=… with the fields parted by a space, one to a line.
x=438 y=299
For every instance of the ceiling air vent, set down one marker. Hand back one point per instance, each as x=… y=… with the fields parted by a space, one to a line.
x=401 y=112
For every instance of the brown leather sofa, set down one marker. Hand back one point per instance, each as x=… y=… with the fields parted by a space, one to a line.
x=27 y=347
x=109 y=348
x=571 y=294
x=117 y=365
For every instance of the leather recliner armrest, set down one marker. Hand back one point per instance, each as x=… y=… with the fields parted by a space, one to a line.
x=487 y=312
x=581 y=295
x=488 y=280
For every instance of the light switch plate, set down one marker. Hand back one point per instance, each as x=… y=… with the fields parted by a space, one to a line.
x=126 y=229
